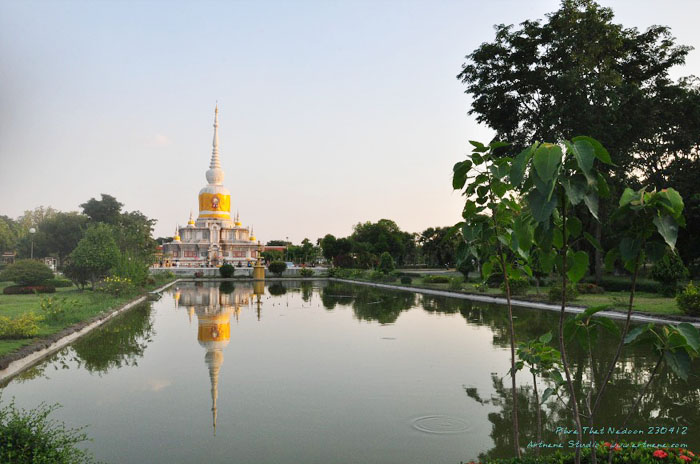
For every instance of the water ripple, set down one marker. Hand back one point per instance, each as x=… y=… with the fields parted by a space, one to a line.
x=440 y=424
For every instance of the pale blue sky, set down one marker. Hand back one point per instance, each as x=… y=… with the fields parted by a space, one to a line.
x=331 y=112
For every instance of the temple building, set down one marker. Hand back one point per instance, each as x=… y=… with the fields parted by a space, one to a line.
x=214 y=238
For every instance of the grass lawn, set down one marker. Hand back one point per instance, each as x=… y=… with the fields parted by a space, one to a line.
x=82 y=305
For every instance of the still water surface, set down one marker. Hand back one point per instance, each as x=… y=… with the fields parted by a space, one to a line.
x=321 y=373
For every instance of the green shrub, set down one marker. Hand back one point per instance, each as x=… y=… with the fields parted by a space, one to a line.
x=406 y=280
x=495 y=280
x=669 y=271
x=58 y=283
x=28 y=289
x=589 y=288
x=277 y=267
x=28 y=437
x=24 y=326
x=169 y=275
x=376 y=276
x=332 y=272
x=116 y=286
x=55 y=308
x=306 y=272
x=518 y=286
x=27 y=272
x=623 y=284
x=455 y=283
x=688 y=300
x=555 y=292
x=227 y=271
x=436 y=279
x=131 y=267
x=386 y=263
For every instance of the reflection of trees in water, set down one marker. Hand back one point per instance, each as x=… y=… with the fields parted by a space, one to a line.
x=368 y=303
x=227 y=287
x=669 y=400
x=306 y=291
x=119 y=343
x=277 y=289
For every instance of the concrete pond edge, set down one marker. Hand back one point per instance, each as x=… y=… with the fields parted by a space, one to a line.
x=528 y=304
x=33 y=356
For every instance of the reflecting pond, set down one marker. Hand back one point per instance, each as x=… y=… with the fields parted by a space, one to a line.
x=322 y=372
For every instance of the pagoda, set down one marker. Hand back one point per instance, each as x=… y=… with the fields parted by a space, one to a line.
x=214 y=238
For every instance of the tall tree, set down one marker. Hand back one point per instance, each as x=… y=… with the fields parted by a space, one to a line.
x=578 y=73
x=107 y=210
x=61 y=233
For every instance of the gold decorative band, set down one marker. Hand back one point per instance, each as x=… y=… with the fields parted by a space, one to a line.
x=215 y=202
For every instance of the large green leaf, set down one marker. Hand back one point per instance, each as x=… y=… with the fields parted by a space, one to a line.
x=591 y=239
x=673 y=200
x=499 y=188
x=610 y=258
x=691 y=334
x=603 y=189
x=578 y=265
x=459 y=177
x=629 y=248
x=557 y=238
x=486 y=269
x=547 y=160
x=591 y=201
x=668 y=228
x=524 y=232
x=540 y=207
x=575 y=188
x=628 y=196
x=600 y=152
x=546 y=338
x=584 y=154
x=608 y=324
x=634 y=334
x=573 y=227
x=549 y=391
x=547 y=261
x=679 y=362
x=499 y=169
x=478 y=146
x=517 y=169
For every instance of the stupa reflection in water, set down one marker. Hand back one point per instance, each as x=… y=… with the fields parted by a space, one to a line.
x=214 y=304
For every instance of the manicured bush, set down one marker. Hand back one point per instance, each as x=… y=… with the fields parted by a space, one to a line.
x=436 y=279
x=24 y=326
x=376 y=276
x=277 y=267
x=589 y=288
x=306 y=272
x=28 y=289
x=554 y=294
x=59 y=283
x=198 y=274
x=386 y=263
x=27 y=272
x=669 y=271
x=227 y=271
x=688 y=300
x=406 y=280
x=518 y=286
x=28 y=437
x=116 y=286
x=623 y=284
x=455 y=283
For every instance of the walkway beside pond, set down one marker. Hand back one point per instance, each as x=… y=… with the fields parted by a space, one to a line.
x=529 y=304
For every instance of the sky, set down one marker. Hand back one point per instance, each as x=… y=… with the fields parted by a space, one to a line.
x=331 y=112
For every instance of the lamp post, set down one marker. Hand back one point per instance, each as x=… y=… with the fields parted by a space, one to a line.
x=32 y=231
